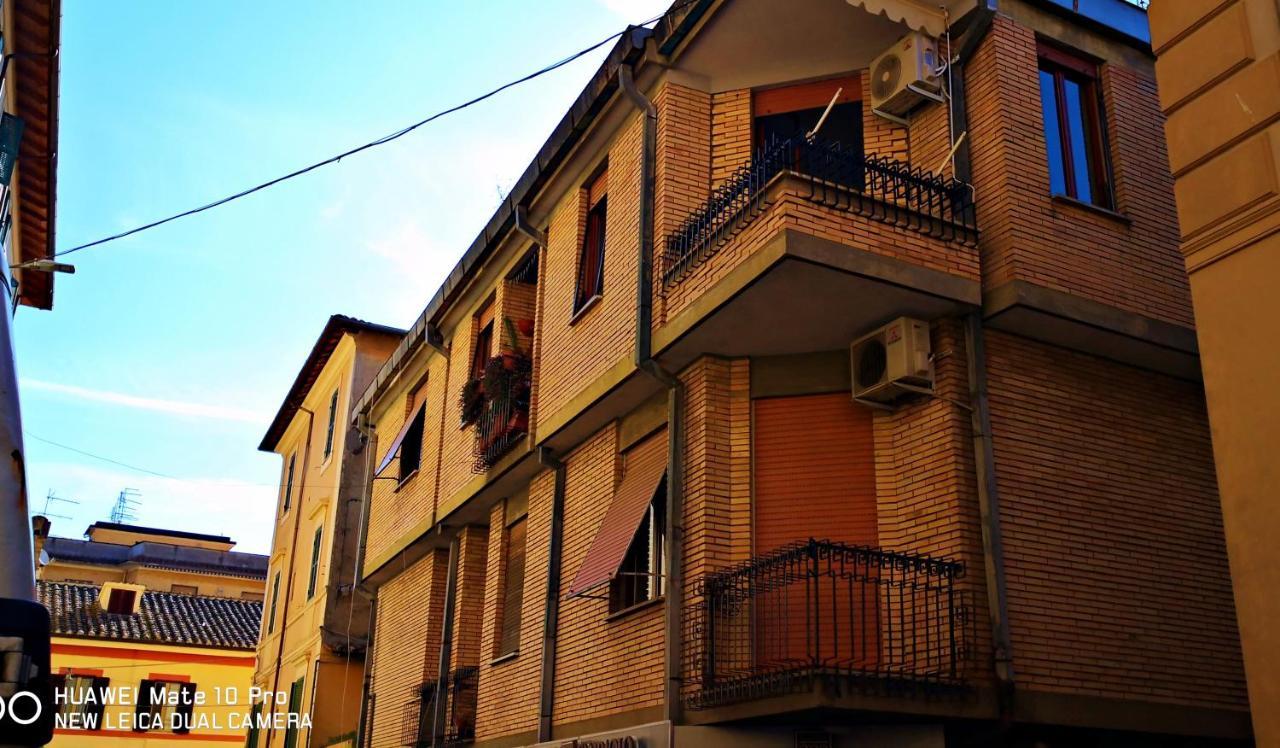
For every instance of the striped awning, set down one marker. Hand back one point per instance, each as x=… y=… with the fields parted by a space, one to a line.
x=921 y=16
x=645 y=470
x=399 y=440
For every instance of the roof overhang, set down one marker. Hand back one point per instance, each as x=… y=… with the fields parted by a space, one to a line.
x=929 y=17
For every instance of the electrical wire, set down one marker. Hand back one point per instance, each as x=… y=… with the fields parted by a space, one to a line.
x=373 y=144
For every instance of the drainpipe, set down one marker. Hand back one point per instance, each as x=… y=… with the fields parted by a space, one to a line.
x=645 y=362
x=523 y=226
x=438 y=720
x=980 y=414
x=370 y=436
x=293 y=550
x=551 y=608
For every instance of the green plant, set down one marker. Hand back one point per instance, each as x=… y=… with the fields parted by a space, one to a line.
x=471 y=401
x=513 y=337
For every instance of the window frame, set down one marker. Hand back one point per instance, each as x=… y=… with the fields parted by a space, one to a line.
x=288 y=484
x=1064 y=66
x=630 y=589
x=315 y=561
x=127 y=600
x=275 y=598
x=509 y=617
x=333 y=419
x=588 y=284
x=413 y=436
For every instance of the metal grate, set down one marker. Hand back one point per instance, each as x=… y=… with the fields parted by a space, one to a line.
x=418 y=726
x=878 y=187
x=815 y=610
x=504 y=414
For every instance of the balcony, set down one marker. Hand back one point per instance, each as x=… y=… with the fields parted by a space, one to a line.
x=823 y=615
x=498 y=404
x=879 y=188
x=459 y=714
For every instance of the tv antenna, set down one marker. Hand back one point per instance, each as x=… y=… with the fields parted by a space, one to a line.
x=51 y=497
x=123 y=510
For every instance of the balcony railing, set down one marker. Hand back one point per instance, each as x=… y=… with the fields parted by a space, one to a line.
x=503 y=413
x=459 y=723
x=851 y=616
x=878 y=187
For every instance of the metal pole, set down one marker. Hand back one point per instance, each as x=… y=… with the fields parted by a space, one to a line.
x=17 y=574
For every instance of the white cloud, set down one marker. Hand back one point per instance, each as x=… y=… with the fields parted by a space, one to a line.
x=172 y=407
x=240 y=511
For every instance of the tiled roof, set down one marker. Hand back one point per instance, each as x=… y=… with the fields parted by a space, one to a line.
x=164 y=555
x=164 y=618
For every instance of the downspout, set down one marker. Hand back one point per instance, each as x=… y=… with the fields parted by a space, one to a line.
x=370 y=435
x=980 y=413
x=675 y=389
x=293 y=549
x=551 y=608
x=439 y=718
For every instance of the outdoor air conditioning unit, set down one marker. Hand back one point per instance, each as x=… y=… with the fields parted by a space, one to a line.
x=905 y=76
x=892 y=362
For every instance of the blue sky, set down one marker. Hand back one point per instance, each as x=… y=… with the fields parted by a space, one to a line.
x=171 y=350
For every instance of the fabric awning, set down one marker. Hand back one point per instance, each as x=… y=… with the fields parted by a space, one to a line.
x=646 y=468
x=924 y=16
x=395 y=443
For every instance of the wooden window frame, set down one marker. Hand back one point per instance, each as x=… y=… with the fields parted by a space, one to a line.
x=315 y=561
x=1062 y=65
x=509 y=619
x=589 y=278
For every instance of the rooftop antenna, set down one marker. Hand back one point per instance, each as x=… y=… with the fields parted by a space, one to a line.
x=52 y=497
x=122 y=513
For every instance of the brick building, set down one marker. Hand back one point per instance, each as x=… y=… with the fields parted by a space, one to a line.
x=623 y=489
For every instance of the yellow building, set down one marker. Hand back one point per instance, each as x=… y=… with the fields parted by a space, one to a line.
x=1219 y=72
x=184 y=563
x=316 y=625
x=120 y=642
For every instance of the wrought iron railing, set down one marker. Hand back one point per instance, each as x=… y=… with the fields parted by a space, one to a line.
x=878 y=187
x=504 y=415
x=459 y=716
x=853 y=616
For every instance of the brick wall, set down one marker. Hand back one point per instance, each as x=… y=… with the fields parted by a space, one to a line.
x=1117 y=572
x=508 y=699
x=730 y=132
x=603 y=666
x=573 y=355
x=682 y=174
x=468 y=609
x=406 y=645
x=1130 y=260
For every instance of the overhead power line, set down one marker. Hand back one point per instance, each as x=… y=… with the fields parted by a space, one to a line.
x=358 y=149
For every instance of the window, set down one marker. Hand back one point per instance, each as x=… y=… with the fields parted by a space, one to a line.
x=121 y=602
x=295 y=707
x=1073 y=130
x=84 y=700
x=792 y=111
x=484 y=340
x=184 y=589
x=315 y=562
x=255 y=596
x=641 y=576
x=163 y=704
x=512 y=588
x=288 y=483
x=275 y=597
x=252 y=740
x=333 y=418
x=411 y=447
x=590 y=283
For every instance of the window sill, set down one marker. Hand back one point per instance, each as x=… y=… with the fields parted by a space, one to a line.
x=1071 y=202
x=508 y=657
x=627 y=612
x=590 y=304
x=405 y=481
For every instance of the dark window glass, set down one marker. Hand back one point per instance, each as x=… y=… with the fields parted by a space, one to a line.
x=411 y=447
x=843 y=125
x=1073 y=128
x=121 y=601
x=480 y=356
x=591 y=259
x=333 y=418
x=315 y=562
x=288 y=483
x=275 y=597
x=513 y=589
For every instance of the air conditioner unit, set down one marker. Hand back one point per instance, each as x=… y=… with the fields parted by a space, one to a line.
x=892 y=362
x=905 y=76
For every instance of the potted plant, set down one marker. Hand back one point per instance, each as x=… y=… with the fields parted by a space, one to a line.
x=472 y=401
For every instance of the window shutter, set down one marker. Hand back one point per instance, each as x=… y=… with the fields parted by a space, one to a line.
x=295 y=704
x=514 y=588
x=186 y=705
x=333 y=417
x=252 y=740
x=142 y=709
x=93 y=712
x=315 y=562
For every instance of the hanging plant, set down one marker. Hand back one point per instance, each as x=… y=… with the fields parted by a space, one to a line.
x=472 y=401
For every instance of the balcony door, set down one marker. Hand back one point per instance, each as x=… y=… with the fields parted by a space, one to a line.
x=814 y=477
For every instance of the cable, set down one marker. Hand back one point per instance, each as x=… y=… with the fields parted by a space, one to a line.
x=380 y=141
